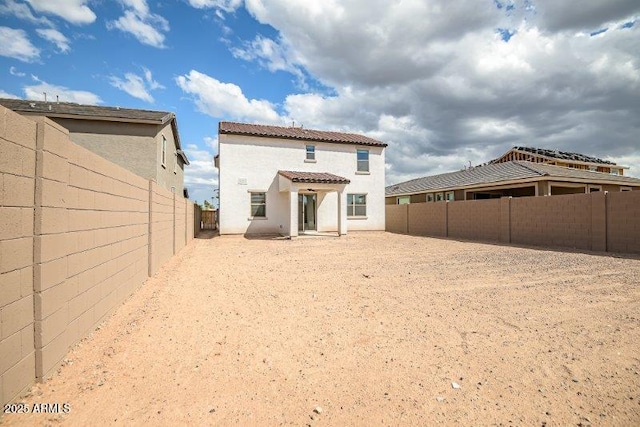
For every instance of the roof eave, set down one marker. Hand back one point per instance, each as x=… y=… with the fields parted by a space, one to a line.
x=176 y=133
x=295 y=138
x=92 y=117
x=546 y=177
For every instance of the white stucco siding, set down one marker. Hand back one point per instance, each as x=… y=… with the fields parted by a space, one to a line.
x=251 y=164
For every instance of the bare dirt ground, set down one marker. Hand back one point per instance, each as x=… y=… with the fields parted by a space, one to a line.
x=369 y=329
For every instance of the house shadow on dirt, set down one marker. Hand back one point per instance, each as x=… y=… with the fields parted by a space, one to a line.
x=207 y=234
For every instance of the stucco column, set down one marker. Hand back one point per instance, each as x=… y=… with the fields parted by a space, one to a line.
x=342 y=212
x=293 y=212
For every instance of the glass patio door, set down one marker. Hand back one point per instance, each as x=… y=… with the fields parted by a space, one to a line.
x=307 y=212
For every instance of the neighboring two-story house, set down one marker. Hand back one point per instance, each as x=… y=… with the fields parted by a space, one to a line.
x=291 y=180
x=144 y=142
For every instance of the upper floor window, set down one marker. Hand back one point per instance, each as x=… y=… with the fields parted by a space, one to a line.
x=164 y=151
x=363 y=160
x=311 y=152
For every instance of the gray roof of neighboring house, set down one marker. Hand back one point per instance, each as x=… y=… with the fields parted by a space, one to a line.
x=72 y=109
x=497 y=172
x=314 y=177
x=94 y=112
x=298 y=133
x=563 y=155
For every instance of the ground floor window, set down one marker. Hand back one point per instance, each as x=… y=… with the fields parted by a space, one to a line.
x=356 y=205
x=258 y=204
x=450 y=196
x=430 y=197
x=439 y=197
x=404 y=200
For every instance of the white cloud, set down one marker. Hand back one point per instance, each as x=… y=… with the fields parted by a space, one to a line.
x=225 y=5
x=74 y=11
x=137 y=86
x=22 y=11
x=16 y=44
x=147 y=27
x=441 y=86
x=133 y=84
x=55 y=37
x=153 y=85
x=15 y=72
x=270 y=55
x=225 y=100
x=64 y=93
x=4 y=94
x=200 y=176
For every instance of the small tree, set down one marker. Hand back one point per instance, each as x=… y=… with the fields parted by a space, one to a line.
x=207 y=205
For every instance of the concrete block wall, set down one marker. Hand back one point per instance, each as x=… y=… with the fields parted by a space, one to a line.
x=552 y=221
x=75 y=239
x=427 y=219
x=91 y=241
x=17 y=192
x=161 y=226
x=396 y=218
x=191 y=215
x=597 y=221
x=180 y=227
x=623 y=222
x=474 y=219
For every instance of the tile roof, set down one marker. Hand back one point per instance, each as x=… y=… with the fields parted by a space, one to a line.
x=56 y=109
x=496 y=172
x=314 y=177
x=563 y=155
x=298 y=133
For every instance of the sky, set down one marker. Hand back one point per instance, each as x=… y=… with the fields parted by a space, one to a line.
x=443 y=83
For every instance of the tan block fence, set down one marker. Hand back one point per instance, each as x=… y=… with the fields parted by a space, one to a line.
x=592 y=222
x=78 y=235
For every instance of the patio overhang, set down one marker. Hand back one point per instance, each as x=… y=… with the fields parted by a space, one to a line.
x=293 y=180
x=302 y=183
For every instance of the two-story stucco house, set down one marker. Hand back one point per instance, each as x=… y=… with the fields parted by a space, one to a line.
x=291 y=180
x=144 y=142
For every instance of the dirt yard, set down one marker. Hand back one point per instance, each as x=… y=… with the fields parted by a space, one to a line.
x=367 y=329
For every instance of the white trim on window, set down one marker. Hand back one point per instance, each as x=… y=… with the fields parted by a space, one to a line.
x=362 y=163
x=356 y=205
x=310 y=153
x=257 y=204
x=163 y=154
x=595 y=188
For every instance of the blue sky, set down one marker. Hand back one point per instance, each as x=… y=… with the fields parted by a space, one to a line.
x=443 y=83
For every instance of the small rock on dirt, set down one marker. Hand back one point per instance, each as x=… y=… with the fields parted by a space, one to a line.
x=317 y=410
x=455 y=385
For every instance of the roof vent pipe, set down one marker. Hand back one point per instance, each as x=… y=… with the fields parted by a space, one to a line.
x=45 y=96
